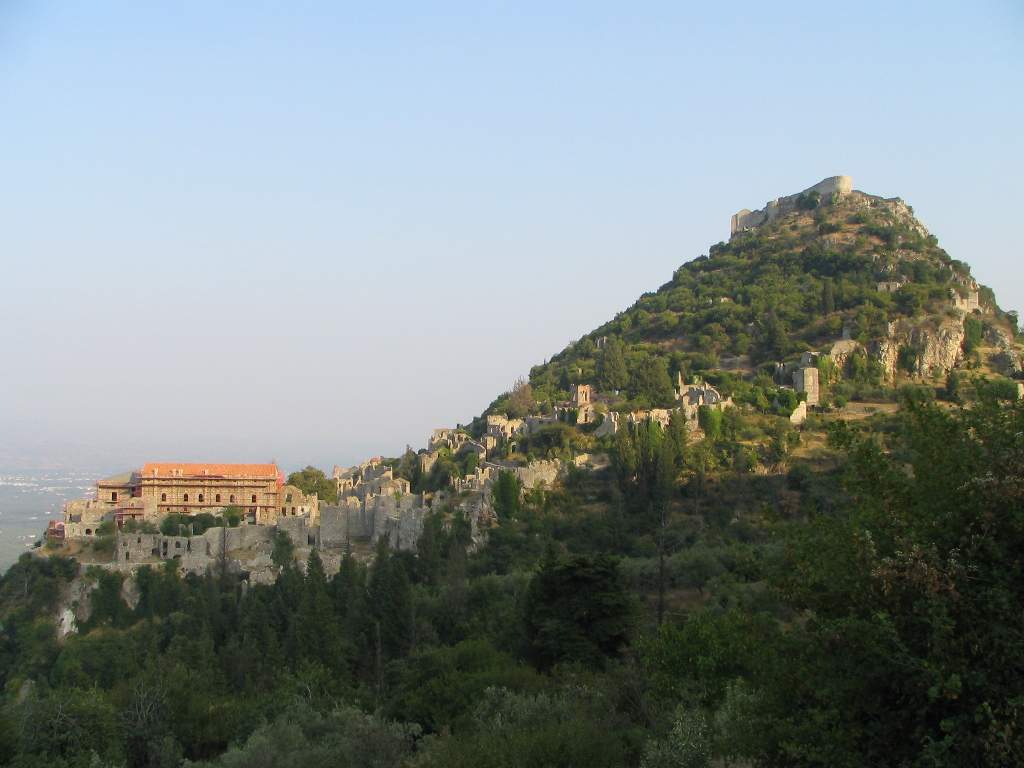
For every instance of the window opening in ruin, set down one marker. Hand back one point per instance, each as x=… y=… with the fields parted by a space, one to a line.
x=185 y=497
x=200 y=498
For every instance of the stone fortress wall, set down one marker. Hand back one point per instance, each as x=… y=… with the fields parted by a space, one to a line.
x=373 y=504
x=746 y=219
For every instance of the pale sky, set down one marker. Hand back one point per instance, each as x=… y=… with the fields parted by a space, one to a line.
x=314 y=231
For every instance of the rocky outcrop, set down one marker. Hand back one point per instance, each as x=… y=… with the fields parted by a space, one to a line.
x=887 y=353
x=897 y=208
x=841 y=352
x=74 y=606
x=936 y=348
x=1007 y=358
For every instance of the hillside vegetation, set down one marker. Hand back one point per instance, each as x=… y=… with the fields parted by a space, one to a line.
x=773 y=292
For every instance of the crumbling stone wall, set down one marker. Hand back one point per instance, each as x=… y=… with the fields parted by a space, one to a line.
x=539 y=473
x=299 y=531
x=746 y=219
x=799 y=414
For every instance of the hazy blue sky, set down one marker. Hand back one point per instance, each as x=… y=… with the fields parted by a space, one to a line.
x=313 y=231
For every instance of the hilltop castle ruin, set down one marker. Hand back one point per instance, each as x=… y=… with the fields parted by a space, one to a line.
x=745 y=219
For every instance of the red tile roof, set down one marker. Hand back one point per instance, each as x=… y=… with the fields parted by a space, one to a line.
x=176 y=469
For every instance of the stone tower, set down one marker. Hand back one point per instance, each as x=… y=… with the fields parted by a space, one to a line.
x=806 y=380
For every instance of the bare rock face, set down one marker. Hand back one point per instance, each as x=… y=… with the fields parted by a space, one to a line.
x=938 y=348
x=841 y=352
x=896 y=207
x=887 y=353
x=1007 y=358
x=941 y=349
x=74 y=606
x=130 y=592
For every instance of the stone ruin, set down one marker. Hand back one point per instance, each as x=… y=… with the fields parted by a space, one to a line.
x=746 y=219
x=799 y=414
x=691 y=397
x=805 y=380
x=803 y=376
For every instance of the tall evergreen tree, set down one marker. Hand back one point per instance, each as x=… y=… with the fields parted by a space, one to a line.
x=390 y=603
x=612 y=373
x=577 y=610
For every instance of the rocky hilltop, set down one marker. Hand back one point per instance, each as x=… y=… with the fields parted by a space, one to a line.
x=851 y=278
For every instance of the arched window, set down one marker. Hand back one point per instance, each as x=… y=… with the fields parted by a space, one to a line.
x=232 y=498
x=200 y=498
x=254 y=498
x=218 y=498
x=163 y=497
x=185 y=497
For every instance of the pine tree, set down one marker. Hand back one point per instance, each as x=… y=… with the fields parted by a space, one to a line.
x=390 y=602
x=317 y=636
x=654 y=383
x=612 y=373
x=577 y=610
x=662 y=491
x=828 y=297
x=505 y=495
x=679 y=436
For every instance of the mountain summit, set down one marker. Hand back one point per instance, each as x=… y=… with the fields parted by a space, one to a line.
x=850 y=278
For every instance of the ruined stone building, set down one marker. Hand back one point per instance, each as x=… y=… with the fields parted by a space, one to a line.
x=692 y=396
x=445 y=437
x=969 y=303
x=502 y=427
x=371 y=478
x=746 y=219
x=583 y=402
x=805 y=380
x=890 y=286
